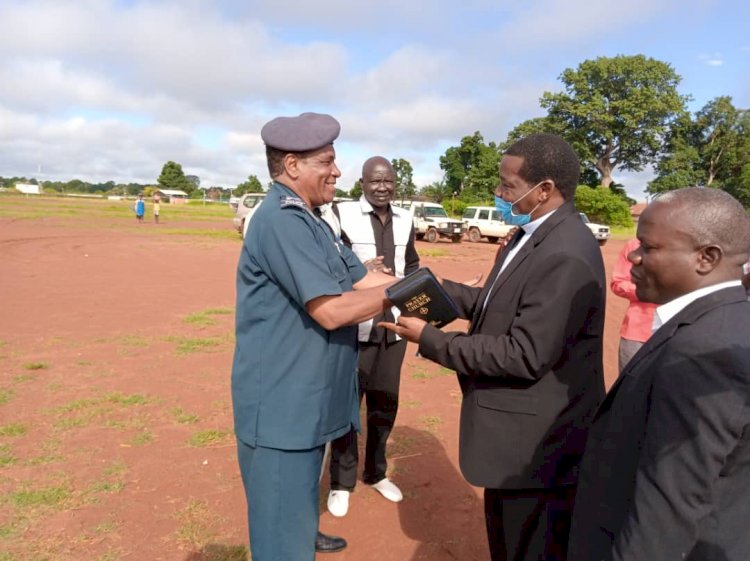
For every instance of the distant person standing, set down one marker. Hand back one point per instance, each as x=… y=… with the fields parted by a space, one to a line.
x=639 y=317
x=139 y=208
x=157 y=208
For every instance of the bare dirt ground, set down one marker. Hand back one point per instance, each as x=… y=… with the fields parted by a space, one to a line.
x=115 y=414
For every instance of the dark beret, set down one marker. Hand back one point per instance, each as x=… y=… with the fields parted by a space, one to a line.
x=308 y=131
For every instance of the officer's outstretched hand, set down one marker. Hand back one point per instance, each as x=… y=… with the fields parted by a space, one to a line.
x=408 y=328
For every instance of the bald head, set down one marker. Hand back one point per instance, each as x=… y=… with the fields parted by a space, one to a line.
x=710 y=217
x=690 y=239
x=375 y=160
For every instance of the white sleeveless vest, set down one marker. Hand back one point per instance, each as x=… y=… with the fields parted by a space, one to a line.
x=355 y=221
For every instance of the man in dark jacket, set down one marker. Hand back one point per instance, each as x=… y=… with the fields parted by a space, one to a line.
x=530 y=367
x=666 y=473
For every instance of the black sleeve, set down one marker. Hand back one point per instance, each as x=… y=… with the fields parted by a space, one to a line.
x=412 y=257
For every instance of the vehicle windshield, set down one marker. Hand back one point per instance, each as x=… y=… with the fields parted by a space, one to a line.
x=584 y=218
x=250 y=202
x=469 y=213
x=435 y=211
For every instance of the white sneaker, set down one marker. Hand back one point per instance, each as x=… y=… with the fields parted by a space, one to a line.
x=389 y=490
x=338 y=502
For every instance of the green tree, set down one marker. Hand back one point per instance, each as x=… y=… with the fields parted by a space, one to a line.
x=532 y=126
x=172 y=177
x=709 y=149
x=738 y=181
x=616 y=111
x=471 y=169
x=76 y=186
x=356 y=191
x=602 y=205
x=252 y=185
x=405 y=188
x=619 y=190
x=589 y=174
x=436 y=191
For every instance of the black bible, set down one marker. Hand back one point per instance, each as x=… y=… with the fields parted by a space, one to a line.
x=421 y=295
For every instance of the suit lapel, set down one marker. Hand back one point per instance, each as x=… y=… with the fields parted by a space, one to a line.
x=492 y=288
x=685 y=317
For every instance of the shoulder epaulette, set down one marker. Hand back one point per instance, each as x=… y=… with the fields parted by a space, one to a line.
x=285 y=202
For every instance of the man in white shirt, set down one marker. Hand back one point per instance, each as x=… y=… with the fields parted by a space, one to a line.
x=382 y=236
x=666 y=472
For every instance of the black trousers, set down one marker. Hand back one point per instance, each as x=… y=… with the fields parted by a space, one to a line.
x=379 y=370
x=528 y=524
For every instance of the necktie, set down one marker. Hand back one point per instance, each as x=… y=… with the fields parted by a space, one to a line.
x=512 y=241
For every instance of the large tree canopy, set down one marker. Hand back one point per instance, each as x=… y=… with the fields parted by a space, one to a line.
x=614 y=111
x=709 y=149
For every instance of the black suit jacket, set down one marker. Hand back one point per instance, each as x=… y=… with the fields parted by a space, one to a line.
x=666 y=473
x=530 y=367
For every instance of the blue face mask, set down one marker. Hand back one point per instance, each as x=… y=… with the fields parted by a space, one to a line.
x=506 y=210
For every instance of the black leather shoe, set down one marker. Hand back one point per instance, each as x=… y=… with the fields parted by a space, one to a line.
x=328 y=544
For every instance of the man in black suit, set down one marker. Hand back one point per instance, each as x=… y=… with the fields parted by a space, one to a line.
x=530 y=366
x=666 y=473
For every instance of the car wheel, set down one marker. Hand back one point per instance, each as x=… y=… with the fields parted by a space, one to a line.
x=492 y=239
x=431 y=235
x=474 y=235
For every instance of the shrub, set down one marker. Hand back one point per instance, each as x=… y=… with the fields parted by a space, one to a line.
x=603 y=206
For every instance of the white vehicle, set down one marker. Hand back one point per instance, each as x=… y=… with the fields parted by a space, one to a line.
x=245 y=209
x=431 y=222
x=484 y=222
x=601 y=232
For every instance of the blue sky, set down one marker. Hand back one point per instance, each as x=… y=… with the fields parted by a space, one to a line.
x=103 y=89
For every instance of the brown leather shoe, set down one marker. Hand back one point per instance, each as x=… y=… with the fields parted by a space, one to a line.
x=328 y=544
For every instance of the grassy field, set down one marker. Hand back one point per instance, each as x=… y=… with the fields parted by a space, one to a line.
x=19 y=206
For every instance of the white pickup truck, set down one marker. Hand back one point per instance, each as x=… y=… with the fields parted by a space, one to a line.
x=601 y=232
x=485 y=222
x=431 y=222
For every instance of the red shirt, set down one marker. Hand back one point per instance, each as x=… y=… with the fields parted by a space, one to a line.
x=639 y=317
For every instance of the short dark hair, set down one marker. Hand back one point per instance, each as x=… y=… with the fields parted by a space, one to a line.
x=275 y=159
x=548 y=156
x=712 y=217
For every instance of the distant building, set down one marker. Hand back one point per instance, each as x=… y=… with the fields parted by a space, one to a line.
x=173 y=196
x=28 y=188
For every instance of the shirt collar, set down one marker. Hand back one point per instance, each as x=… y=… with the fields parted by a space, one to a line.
x=367 y=208
x=532 y=226
x=667 y=311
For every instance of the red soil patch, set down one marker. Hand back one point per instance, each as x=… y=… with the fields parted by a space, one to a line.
x=103 y=306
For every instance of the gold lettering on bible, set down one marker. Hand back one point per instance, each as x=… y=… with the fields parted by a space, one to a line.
x=418 y=302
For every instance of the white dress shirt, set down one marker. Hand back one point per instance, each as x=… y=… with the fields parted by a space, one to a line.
x=667 y=311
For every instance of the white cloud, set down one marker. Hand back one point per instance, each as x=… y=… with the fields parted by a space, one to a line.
x=714 y=59
x=562 y=22
x=106 y=89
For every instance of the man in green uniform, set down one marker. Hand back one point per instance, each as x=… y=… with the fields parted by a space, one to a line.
x=300 y=295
